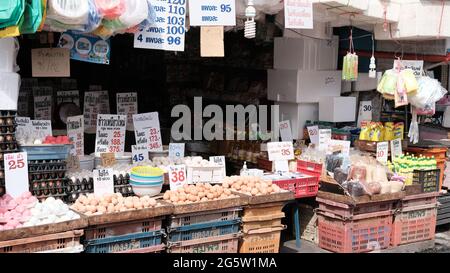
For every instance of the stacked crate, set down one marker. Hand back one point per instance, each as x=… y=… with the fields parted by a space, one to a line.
x=8 y=143
x=261 y=227
x=215 y=231
x=443 y=216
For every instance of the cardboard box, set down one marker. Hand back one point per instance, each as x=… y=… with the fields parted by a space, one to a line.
x=337 y=109
x=296 y=86
x=298 y=114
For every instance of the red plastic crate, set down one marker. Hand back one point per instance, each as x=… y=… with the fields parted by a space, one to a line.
x=365 y=233
x=264 y=164
x=414 y=224
x=420 y=199
x=310 y=168
x=301 y=186
x=348 y=211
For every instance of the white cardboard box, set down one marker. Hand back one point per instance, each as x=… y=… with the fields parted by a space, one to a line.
x=306 y=53
x=296 y=86
x=364 y=83
x=337 y=109
x=298 y=114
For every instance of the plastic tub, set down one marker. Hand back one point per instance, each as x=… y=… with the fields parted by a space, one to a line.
x=146 y=190
x=9 y=47
x=46 y=151
x=9 y=89
x=87 y=162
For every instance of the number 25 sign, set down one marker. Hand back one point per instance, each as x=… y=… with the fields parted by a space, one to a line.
x=280 y=150
x=16 y=174
x=177 y=176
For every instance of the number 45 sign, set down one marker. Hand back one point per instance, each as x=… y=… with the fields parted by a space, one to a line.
x=16 y=174
x=177 y=176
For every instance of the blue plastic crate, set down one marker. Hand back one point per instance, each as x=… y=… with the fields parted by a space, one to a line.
x=203 y=230
x=46 y=151
x=124 y=242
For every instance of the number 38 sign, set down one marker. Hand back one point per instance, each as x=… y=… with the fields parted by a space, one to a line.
x=177 y=176
x=16 y=174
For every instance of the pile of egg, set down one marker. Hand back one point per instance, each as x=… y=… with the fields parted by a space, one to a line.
x=50 y=211
x=251 y=185
x=200 y=192
x=198 y=161
x=110 y=203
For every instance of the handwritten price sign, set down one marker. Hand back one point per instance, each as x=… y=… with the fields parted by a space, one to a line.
x=177 y=176
x=16 y=174
x=110 y=136
x=147 y=131
x=280 y=151
x=313 y=132
x=382 y=152
x=103 y=182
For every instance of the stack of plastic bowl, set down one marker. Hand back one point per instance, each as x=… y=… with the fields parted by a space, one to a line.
x=146 y=180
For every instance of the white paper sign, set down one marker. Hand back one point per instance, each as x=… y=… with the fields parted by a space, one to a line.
x=313 y=132
x=127 y=105
x=147 y=131
x=324 y=139
x=280 y=151
x=95 y=102
x=281 y=166
x=285 y=130
x=139 y=153
x=176 y=150
x=68 y=96
x=298 y=14
x=42 y=107
x=103 y=181
x=16 y=174
x=75 y=132
x=41 y=128
x=24 y=128
x=168 y=30
x=365 y=112
x=343 y=145
x=396 y=148
x=212 y=13
x=177 y=176
x=221 y=161
x=382 y=152
x=415 y=65
x=110 y=136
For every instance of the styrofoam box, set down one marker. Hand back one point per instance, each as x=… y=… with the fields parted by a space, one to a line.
x=364 y=83
x=305 y=53
x=345 y=5
x=337 y=109
x=9 y=90
x=298 y=114
x=376 y=10
x=297 y=86
x=431 y=47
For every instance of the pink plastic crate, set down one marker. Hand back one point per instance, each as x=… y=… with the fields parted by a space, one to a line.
x=349 y=211
x=310 y=168
x=306 y=186
x=420 y=199
x=365 y=233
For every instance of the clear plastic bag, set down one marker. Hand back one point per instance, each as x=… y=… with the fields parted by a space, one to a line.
x=429 y=92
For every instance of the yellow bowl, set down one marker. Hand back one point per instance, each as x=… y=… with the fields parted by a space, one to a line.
x=146 y=171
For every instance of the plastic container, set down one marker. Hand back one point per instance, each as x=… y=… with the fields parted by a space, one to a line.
x=9 y=47
x=364 y=233
x=261 y=241
x=204 y=217
x=301 y=186
x=46 y=151
x=87 y=162
x=428 y=180
x=347 y=211
x=310 y=168
x=9 y=89
x=202 y=230
x=124 y=242
x=146 y=190
x=221 y=244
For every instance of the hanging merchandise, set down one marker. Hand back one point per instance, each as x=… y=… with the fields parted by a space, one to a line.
x=250 y=24
x=11 y=12
x=32 y=17
x=350 y=62
x=413 y=127
x=94 y=18
x=372 y=65
x=429 y=91
x=86 y=47
x=44 y=14
x=388 y=84
x=134 y=13
x=401 y=97
x=110 y=9
x=66 y=14
x=10 y=26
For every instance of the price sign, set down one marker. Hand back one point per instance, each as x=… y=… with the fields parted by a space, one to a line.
x=139 y=153
x=396 y=148
x=43 y=107
x=339 y=145
x=313 y=132
x=75 y=132
x=108 y=159
x=281 y=166
x=176 y=150
x=382 y=152
x=103 y=182
x=365 y=112
x=110 y=136
x=298 y=14
x=220 y=160
x=41 y=128
x=177 y=176
x=280 y=151
x=168 y=30
x=285 y=130
x=16 y=174
x=24 y=128
x=50 y=62
x=147 y=131
x=212 y=13
x=324 y=139
x=127 y=105
x=95 y=102
x=68 y=96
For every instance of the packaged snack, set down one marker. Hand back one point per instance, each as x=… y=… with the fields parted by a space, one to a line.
x=365 y=131
x=388 y=131
x=375 y=131
x=399 y=130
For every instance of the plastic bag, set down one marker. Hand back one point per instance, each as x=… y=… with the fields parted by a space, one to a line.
x=110 y=9
x=409 y=80
x=429 y=91
x=68 y=12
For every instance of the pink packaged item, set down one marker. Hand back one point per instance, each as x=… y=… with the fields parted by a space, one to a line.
x=110 y=9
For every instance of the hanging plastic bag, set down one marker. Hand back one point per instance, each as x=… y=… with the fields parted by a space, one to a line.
x=401 y=98
x=428 y=110
x=151 y=17
x=413 y=133
x=94 y=19
x=32 y=17
x=44 y=14
x=110 y=9
x=388 y=84
x=429 y=91
x=409 y=80
x=12 y=14
x=68 y=12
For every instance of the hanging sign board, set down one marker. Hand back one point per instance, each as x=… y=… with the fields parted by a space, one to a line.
x=298 y=14
x=177 y=176
x=176 y=150
x=110 y=136
x=43 y=107
x=103 y=182
x=41 y=128
x=365 y=112
x=139 y=153
x=280 y=151
x=127 y=105
x=382 y=152
x=147 y=131
x=212 y=13
x=285 y=130
x=68 y=96
x=86 y=47
x=50 y=62
x=168 y=30
x=16 y=174
x=415 y=65
x=211 y=42
x=75 y=132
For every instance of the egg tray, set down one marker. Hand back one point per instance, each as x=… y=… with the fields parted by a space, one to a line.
x=9 y=137
x=121 y=180
x=6 y=152
x=46 y=165
x=125 y=190
x=7 y=113
x=8 y=129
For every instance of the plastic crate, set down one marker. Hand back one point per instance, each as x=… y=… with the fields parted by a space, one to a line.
x=301 y=186
x=308 y=223
x=347 y=211
x=261 y=241
x=310 y=168
x=150 y=249
x=414 y=224
x=46 y=151
x=221 y=244
x=419 y=199
x=264 y=164
x=203 y=230
x=428 y=180
x=371 y=231
x=124 y=242
x=43 y=243
x=204 y=217
x=255 y=225
x=124 y=228
x=263 y=213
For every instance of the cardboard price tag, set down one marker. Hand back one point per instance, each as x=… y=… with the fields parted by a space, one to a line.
x=75 y=132
x=280 y=151
x=285 y=130
x=365 y=112
x=382 y=152
x=139 y=153
x=50 y=62
x=103 y=182
x=176 y=150
x=313 y=132
x=177 y=176
x=16 y=174
x=108 y=159
x=110 y=136
x=396 y=148
x=147 y=131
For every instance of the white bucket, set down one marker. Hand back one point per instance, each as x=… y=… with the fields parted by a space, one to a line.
x=87 y=162
x=9 y=47
x=9 y=90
